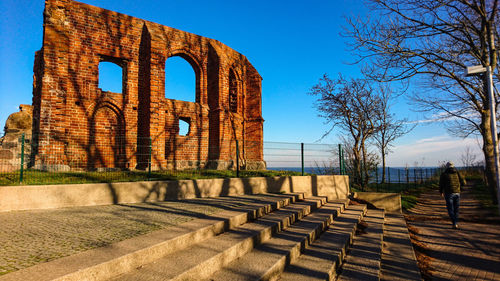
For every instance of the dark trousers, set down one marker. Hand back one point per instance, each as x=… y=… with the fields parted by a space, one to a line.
x=452 y=204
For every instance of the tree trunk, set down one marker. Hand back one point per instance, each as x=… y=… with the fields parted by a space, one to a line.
x=357 y=167
x=365 y=168
x=489 y=154
x=383 y=165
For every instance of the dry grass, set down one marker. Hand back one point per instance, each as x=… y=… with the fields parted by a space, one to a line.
x=422 y=253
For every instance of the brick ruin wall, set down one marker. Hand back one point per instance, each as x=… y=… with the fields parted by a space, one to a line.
x=78 y=126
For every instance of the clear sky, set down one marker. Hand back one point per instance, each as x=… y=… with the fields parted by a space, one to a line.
x=291 y=43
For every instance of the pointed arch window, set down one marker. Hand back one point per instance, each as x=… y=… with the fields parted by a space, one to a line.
x=233 y=92
x=180 y=79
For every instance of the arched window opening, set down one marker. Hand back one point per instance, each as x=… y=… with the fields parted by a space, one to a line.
x=180 y=80
x=184 y=126
x=233 y=92
x=110 y=77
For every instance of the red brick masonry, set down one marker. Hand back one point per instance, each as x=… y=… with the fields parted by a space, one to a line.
x=80 y=126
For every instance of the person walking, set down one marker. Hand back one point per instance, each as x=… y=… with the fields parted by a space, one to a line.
x=450 y=183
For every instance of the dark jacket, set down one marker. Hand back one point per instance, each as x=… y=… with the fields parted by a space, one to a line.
x=450 y=181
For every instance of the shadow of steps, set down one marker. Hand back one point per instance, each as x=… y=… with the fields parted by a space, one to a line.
x=321 y=259
x=398 y=257
x=268 y=261
x=363 y=259
x=202 y=259
x=107 y=262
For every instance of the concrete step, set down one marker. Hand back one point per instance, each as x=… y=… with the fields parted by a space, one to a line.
x=322 y=258
x=201 y=260
x=267 y=261
x=107 y=262
x=363 y=259
x=398 y=258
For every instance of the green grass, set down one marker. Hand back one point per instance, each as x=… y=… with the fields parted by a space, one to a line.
x=34 y=177
x=409 y=198
x=408 y=201
x=482 y=193
x=409 y=192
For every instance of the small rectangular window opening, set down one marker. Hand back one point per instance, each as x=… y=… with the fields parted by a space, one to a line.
x=184 y=126
x=111 y=74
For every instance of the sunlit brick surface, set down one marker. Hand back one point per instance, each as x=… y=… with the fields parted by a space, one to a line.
x=108 y=129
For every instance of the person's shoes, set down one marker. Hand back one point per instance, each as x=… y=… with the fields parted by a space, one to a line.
x=455 y=226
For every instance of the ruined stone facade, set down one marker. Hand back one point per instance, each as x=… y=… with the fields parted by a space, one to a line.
x=16 y=131
x=76 y=124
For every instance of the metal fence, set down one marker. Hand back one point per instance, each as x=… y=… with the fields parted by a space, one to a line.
x=402 y=178
x=23 y=161
x=320 y=159
x=399 y=179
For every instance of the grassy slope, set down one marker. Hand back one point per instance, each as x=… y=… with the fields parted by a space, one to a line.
x=38 y=177
x=409 y=192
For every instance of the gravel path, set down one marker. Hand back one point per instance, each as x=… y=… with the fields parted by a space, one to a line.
x=31 y=237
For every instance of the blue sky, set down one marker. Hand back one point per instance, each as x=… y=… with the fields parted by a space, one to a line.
x=291 y=44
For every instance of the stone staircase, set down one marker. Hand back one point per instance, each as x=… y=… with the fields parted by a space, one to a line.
x=277 y=237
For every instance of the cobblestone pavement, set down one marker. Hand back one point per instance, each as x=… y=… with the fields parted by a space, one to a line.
x=31 y=237
x=470 y=253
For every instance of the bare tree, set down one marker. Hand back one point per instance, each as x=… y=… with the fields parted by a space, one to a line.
x=468 y=158
x=350 y=105
x=368 y=165
x=390 y=127
x=432 y=41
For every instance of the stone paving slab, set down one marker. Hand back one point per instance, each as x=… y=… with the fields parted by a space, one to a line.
x=470 y=253
x=398 y=257
x=31 y=237
x=363 y=259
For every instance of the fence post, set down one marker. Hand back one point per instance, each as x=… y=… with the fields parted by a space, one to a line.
x=340 y=159
x=344 y=172
x=407 y=178
x=150 y=157
x=22 y=160
x=302 y=156
x=415 y=177
x=238 y=160
x=399 y=180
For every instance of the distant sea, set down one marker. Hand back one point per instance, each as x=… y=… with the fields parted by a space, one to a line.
x=312 y=170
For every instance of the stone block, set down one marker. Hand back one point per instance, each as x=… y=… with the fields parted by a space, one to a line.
x=6 y=154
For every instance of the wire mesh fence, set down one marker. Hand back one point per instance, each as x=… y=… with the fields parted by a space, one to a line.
x=396 y=179
x=31 y=159
x=306 y=158
x=24 y=161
